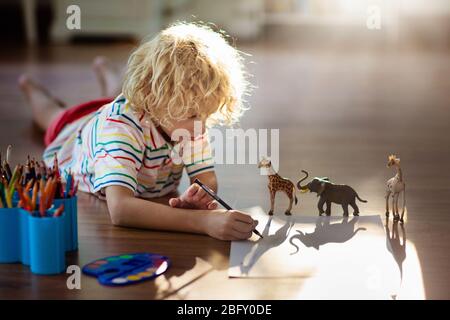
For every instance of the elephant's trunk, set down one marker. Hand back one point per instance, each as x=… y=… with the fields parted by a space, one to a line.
x=299 y=186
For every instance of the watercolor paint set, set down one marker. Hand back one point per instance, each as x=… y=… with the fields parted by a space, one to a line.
x=127 y=269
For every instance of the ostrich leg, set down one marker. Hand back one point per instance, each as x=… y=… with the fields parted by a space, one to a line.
x=403 y=205
x=395 y=206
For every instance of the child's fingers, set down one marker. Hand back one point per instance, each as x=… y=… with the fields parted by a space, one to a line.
x=236 y=215
x=192 y=190
x=231 y=238
x=212 y=205
x=203 y=203
x=200 y=195
x=236 y=235
x=179 y=203
x=243 y=227
x=174 y=202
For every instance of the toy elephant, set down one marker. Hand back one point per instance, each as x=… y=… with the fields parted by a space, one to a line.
x=331 y=193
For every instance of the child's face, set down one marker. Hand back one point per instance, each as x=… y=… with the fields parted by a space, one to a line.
x=195 y=126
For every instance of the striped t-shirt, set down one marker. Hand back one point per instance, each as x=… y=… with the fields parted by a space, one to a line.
x=118 y=146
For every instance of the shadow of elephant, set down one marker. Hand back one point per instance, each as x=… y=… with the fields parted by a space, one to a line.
x=326 y=232
x=266 y=243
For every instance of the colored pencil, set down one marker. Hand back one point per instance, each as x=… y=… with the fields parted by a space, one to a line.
x=47 y=191
x=22 y=201
x=55 y=165
x=33 y=169
x=27 y=200
x=68 y=184
x=75 y=189
x=45 y=188
x=34 y=197
x=34 y=182
x=59 y=211
x=3 y=189
x=51 y=195
x=2 y=195
x=10 y=189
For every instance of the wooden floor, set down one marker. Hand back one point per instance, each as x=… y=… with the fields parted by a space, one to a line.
x=339 y=112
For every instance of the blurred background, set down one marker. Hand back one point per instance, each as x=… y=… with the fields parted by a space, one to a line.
x=37 y=22
x=347 y=82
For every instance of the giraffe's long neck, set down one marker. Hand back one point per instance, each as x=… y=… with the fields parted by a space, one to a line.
x=271 y=172
x=399 y=173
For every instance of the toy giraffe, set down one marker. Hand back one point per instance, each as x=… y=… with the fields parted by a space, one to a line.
x=278 y=183
x=395 y=186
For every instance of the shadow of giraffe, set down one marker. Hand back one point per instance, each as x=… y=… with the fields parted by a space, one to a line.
x=266 y=243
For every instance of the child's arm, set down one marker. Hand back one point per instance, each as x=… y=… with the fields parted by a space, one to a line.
x=128 y=211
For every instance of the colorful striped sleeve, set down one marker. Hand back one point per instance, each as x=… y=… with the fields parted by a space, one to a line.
x=197 y=156
x=118 y=147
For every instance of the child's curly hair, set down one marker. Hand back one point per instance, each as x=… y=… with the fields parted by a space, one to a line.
x=187 y=70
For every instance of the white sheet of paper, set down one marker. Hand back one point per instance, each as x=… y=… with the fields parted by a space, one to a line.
x=338 y=257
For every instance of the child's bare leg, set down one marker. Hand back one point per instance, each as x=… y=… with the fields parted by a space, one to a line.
x=43 y=105
x=108 y=76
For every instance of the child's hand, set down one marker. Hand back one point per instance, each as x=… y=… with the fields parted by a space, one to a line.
x=194 y=198
x=229 y=225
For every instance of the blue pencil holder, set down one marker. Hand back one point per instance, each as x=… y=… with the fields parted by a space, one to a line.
x=24 y=218
x=71 y=222
x=10 y=235
x=47 y=242
x=40 y=242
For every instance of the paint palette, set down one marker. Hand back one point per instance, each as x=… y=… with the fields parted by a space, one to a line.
x=127 y=268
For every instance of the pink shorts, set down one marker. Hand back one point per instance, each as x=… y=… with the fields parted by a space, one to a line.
x=70 y=115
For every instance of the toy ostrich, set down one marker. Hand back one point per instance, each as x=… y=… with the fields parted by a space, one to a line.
x=278 y=183
x=395 y=186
